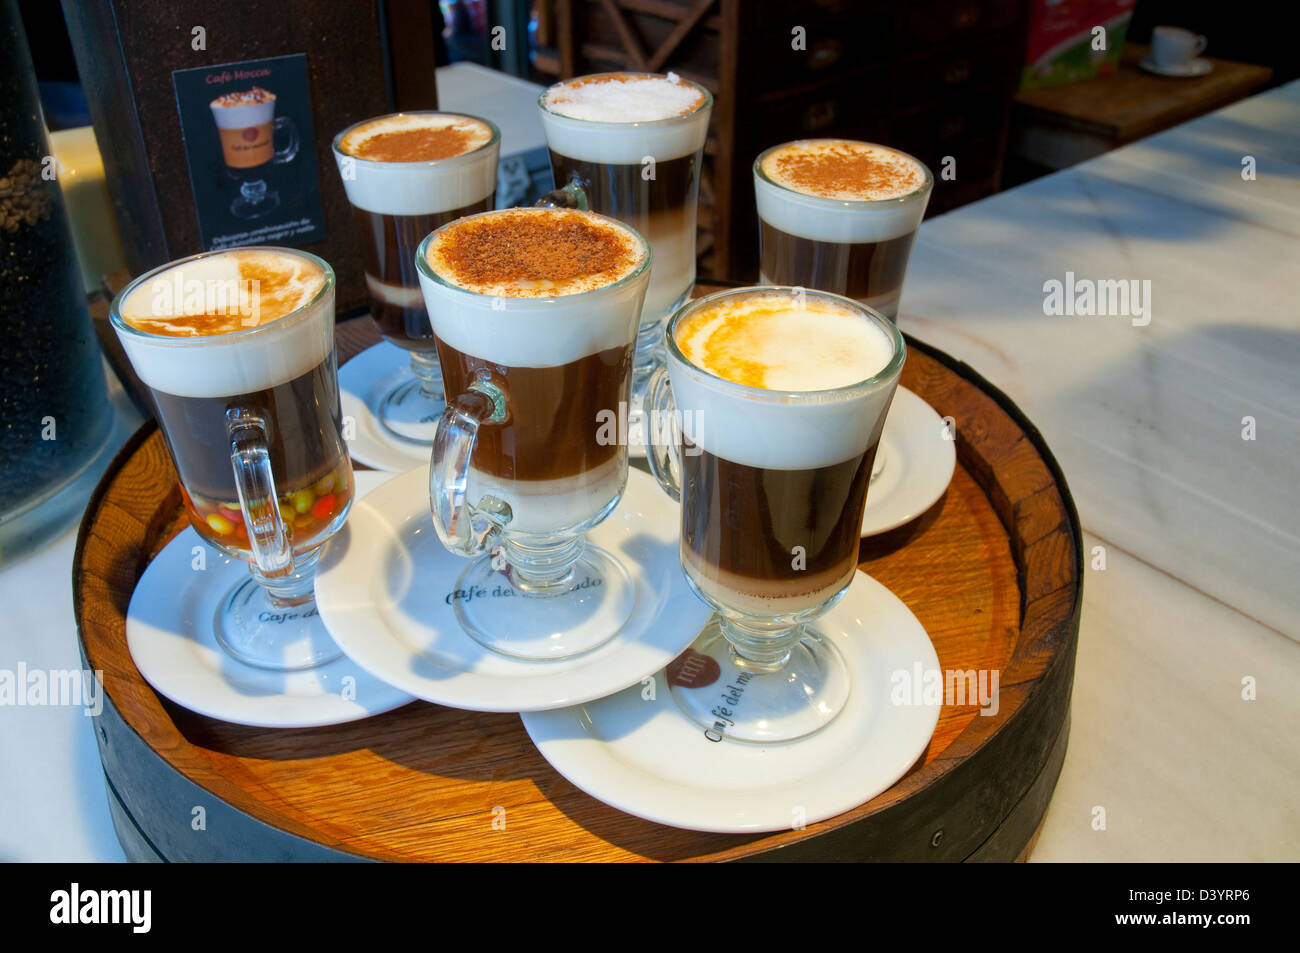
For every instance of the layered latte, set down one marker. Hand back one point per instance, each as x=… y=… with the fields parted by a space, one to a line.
x=839 y=216
x=787 y=416
x=543 y=304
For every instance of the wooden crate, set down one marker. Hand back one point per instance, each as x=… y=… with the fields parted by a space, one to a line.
x=932 y=77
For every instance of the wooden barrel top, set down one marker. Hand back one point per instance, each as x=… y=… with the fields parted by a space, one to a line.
x=993 y=572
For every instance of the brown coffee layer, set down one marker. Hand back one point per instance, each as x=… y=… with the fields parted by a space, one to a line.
x=302 y=424
x=861 y=270
x=624 y=191
x=551 y=430
x=772 y=533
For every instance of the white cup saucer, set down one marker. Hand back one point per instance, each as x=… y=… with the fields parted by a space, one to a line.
x=363 y=382
x=1193 y=67
x=171 y=635
x=920 y=457
x=385 y=590
x=637 y=752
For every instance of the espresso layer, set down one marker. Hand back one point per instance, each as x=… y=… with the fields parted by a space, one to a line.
x=531 y=253
x=865 y=271
x=784 y=537
x=552 y=431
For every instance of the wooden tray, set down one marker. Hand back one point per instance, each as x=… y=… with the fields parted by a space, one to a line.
x=992 y=571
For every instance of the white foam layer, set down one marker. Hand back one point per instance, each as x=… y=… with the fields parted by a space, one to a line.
x=420 y=188
x=836 y=220
x=534 y=332
x=545 y=506
x=223 y=365
x=240 y=117
x=779 y=342
x=646 y=127
x=768 y=428
x=624 y=97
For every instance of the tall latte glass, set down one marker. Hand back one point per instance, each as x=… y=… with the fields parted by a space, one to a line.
x=237 y=349
x=535 y=314
x=634 y=143
x=840 y=216
x=781 y=395
x=407 y=174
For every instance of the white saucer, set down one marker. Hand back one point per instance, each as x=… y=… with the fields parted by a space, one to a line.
x=644 y=757
x=171 y=636
x=1196 y=67
x=384 y=592
x=363 y=382
x=920 y=458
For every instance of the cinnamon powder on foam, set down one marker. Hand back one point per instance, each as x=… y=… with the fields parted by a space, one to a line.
x=418 y=145
x=843 y=170
x=512 y=249
x=280 y=288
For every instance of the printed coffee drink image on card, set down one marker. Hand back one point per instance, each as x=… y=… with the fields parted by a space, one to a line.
x=251 y=150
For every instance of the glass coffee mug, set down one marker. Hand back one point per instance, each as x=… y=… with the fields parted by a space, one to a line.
x=237 y=349
x=635 y=143
x=535 y=314
x=772 y=472
x=839 y=215
x=247 y=124
x=407 y=174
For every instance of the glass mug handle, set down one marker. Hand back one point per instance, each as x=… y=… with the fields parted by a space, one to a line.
x=465 y=528
x=291 y=150
x=573 y=195
x=268 y=537
x=664 y=459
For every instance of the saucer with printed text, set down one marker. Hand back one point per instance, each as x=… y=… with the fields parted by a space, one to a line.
x=637 y=752
x=170 y=631
x=386 y=591
x=919 y=454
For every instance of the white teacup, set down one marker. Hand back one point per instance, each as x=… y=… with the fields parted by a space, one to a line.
x=1174 y=46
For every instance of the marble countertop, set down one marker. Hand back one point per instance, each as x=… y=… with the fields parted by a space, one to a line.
x=1199 y=527
x=1178 y=428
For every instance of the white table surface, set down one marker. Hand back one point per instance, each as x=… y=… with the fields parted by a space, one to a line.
x=1201 y=529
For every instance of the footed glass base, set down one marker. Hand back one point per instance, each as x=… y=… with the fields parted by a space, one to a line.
x=740 y=701
x=410 y=411
x=254 y=201
x=268 y=633
x=576 y=613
